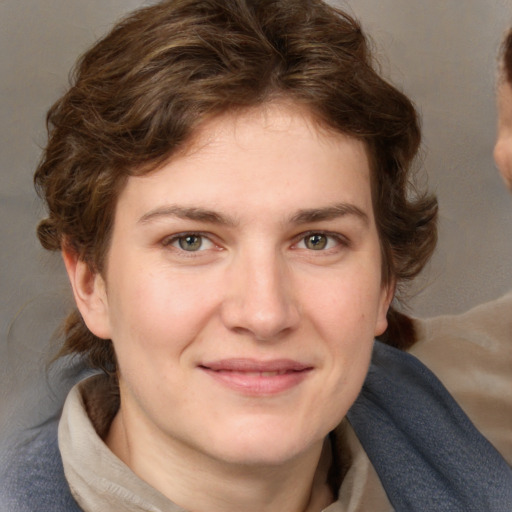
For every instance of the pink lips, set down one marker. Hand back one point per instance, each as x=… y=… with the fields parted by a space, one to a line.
x=257 y=377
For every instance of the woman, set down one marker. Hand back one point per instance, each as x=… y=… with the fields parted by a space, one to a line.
x=228 y=182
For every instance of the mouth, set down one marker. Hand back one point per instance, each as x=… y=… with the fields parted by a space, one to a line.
x=257 y=378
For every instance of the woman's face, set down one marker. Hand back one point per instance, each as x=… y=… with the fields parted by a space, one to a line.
x=243 y=289
x=503 y=147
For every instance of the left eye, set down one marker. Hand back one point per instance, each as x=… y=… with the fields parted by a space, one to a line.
x=191 y=242
x=318 y=242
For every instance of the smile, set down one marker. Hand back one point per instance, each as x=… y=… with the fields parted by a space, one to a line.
x=257 y=378
x=266 y=374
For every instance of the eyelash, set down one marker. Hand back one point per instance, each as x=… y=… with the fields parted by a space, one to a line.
x=173 y=239
x=340 y=241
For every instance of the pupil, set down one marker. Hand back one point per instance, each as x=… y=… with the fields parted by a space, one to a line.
x=190 y=242
x=316 y=242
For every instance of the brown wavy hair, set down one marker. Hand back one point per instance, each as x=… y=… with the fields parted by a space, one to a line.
x=139 y=93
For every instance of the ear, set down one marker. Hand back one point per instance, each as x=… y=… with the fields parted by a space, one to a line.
x=387 y=294
x=90 y=293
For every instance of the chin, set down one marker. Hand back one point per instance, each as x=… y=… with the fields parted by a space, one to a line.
x=265 y=445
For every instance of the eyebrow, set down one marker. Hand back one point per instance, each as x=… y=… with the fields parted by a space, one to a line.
x=329 y=213
x=188 y=213
x=305 y=216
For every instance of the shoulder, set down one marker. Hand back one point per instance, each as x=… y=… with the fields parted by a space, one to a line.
x=471 y=354
x=31 y=473
x=487 y=325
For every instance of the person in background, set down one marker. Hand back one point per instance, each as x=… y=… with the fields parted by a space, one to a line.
x=503 y=148
x=229 y=184
x=472 y=353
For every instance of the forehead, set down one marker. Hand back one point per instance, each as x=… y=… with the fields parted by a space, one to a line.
x=275 y=157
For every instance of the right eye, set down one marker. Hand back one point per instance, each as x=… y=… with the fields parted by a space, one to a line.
x=316 y=241
x=190 y=242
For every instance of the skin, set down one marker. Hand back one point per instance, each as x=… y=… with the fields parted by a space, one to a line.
x=286 y=267
x=503 y=147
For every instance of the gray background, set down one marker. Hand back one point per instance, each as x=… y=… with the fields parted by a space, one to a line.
x=441 y=52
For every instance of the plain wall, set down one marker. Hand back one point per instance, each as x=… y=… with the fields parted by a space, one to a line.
x=441 y=52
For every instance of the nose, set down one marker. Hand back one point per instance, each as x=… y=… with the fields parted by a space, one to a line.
x=259 y=298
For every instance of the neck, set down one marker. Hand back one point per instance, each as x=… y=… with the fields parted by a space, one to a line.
x=197 y=482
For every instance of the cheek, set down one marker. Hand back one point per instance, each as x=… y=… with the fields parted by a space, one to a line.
x=503 y=158
x=349 y=309
x=153 y=310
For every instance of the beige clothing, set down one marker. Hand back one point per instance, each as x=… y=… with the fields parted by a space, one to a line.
x=470 y=353
x=472 y=356
x=100 y=481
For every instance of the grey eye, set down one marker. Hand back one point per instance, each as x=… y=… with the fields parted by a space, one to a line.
x=316 y=241
x=190 y=242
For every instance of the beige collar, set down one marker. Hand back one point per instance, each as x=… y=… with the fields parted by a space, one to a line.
x=97 y=478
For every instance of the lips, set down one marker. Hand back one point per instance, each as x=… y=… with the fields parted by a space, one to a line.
x=254 y=378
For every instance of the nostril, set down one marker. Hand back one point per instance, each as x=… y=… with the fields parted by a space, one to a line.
x=263 y=324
